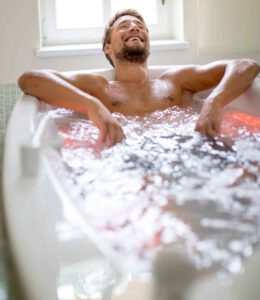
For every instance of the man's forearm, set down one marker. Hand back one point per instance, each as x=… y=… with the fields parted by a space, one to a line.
x=238 y=76
x=53 y=90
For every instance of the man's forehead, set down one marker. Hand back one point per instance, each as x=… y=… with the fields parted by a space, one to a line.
x=127 y=18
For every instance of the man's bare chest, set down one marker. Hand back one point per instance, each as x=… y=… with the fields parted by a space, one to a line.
x=138 y=100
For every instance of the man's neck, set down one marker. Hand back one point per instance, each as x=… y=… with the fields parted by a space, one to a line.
x=131 y=73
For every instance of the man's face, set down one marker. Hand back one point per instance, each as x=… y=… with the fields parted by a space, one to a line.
x=129 y=40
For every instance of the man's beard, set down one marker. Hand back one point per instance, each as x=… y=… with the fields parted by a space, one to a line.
x=135 y=54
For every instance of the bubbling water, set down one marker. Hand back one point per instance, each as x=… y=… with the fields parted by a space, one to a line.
x=166 y=184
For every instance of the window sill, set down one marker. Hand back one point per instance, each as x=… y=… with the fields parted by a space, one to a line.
x=75 y=50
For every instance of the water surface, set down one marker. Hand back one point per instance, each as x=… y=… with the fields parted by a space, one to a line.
x=166 y=184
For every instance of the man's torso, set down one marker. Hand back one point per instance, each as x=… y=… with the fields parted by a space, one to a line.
x=157 y=94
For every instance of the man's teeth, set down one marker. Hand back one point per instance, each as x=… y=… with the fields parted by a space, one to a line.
x=133 y=38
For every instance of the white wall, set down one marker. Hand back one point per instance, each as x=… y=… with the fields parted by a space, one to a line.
x=19 y=37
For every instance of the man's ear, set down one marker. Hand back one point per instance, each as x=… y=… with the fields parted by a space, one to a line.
x=107 y=48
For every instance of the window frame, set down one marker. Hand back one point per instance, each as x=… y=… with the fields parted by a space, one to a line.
x=55 y=37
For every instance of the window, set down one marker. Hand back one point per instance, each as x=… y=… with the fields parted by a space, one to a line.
x=66 y=22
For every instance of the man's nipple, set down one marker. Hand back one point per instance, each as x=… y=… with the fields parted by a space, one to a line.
x=169 y=98
x=115 y=102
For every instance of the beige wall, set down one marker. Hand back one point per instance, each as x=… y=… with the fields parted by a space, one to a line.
x=19 y=37
x=237 y=27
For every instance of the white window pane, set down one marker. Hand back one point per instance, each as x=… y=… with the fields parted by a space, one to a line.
x=147 y=8
x=79 y=14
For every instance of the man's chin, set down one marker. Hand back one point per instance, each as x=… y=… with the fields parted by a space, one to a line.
x=133 y=53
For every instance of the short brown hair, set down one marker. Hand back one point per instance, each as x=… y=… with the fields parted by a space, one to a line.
x=107 y=33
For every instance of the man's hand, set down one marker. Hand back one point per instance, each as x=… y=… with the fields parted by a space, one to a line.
x=110 y=131
x=210 y=118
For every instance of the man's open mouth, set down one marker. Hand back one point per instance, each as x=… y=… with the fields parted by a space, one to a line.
x=134 y=38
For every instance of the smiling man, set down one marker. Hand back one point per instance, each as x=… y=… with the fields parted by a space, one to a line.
x=132 y=45
x=126 y=45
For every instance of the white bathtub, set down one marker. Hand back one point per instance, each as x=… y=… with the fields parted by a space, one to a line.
x=49 y=237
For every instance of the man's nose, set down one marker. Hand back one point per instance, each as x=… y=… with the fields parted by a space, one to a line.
x=134 y=27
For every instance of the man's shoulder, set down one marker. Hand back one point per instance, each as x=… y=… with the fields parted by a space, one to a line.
x=174 y=73
x=88 y=81
x=86 y=74
x=88 y=78
x=174 y=70
x=192 y=69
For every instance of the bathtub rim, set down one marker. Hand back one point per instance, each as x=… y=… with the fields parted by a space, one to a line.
x=35 y=286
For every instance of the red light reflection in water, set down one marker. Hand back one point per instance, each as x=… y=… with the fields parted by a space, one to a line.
x=235 y=120
x=71 y=140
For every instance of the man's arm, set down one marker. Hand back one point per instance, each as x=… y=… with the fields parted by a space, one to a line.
x=228 y=78
x=69 y=91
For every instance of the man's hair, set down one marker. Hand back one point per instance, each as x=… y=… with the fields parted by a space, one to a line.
x=107 y=33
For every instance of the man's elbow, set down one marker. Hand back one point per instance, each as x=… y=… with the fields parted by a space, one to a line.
x=27 y=80
x=254 y=66
x=249 y=65
x=23 y=80
x=30 y=80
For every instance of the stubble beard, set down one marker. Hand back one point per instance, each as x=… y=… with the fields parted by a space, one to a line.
x=133 y=54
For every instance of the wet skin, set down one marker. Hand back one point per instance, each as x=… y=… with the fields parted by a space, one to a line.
x=157 y=94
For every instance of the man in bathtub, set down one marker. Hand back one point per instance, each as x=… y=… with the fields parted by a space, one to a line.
x=126 y=46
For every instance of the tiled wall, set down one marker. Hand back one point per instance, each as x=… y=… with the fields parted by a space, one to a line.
x=8 y=287
x=8 y=95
